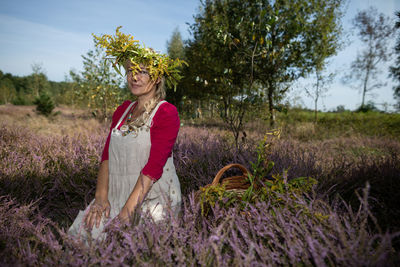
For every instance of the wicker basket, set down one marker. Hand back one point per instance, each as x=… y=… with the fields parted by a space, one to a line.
x=237 y=184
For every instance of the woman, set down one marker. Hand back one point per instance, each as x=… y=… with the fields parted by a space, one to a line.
x=137 y=168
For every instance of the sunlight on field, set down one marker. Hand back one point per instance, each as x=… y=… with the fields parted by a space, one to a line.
x=67 y=121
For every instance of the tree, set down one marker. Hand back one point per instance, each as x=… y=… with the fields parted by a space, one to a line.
x=176 y=50
x=63 y=92
x=375 y=31
x=98 y=85
x=326 y=44
x=220 y=69
x=319 y=89
x=7 y=89
x=20 y=90
x=340 y=108
x=395 y=70
x=15 y=89
x=301 y=38
x=246 y=51
x=175 y=45
x=39 y=82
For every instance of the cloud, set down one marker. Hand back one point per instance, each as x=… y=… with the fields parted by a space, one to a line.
x=23 y=43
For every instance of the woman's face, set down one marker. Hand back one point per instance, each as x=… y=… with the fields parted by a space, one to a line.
x=140 y=84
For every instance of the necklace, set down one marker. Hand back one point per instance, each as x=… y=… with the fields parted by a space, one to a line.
x=127 y=128
x=129 y=120
x=130 y=126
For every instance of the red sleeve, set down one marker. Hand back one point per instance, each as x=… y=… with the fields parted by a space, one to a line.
x=115 y=118
x=163 y=134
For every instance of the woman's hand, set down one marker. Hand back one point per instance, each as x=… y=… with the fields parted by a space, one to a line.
x=139 y=192
x=122 y=218
x=124 y=215
x=96 y=210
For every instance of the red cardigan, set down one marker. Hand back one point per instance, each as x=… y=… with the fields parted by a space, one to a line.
x=163 y=134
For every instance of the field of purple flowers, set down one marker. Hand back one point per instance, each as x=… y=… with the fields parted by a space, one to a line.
x=350 y=218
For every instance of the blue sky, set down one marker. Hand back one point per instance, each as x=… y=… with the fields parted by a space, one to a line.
x=56 y=33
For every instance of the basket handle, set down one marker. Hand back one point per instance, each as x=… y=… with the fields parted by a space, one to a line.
x=227 y=167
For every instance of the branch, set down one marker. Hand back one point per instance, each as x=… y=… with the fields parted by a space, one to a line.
x=252 y=65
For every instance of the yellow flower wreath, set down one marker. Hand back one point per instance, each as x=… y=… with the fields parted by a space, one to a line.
x=123 y=47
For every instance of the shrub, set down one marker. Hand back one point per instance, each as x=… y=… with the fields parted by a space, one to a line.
x=317 y=235
x=340 y=108
x=20 y=101
x=44 y=104
x=370 y=106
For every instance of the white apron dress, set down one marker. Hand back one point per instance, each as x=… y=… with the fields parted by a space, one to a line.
x=127 y=157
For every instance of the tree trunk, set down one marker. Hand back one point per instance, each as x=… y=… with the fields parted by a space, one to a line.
x=365 y=88
x=200 y=113
x=104 y=109
x=316 y=98
x=271 y=109
x=315 y=111
x=368 y=68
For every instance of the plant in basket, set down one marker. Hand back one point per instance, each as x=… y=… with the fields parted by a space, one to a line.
x=210 y=195
x=225 y=191
x=250 y=188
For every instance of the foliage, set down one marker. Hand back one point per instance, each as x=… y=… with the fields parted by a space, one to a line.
x=319 y=89
x=39 y=83
x=243 y=52
x=271 y=192
x=123 y=47
x=375 y=31
x=20 y=100
x=340 y=108
x=395 y=70
x=22 y=90
x=307 y=41
x=44 y=104
x=220 y=68
x=7 y=89
x=176 y=50
x=326 y=44
x=98 y=86
x=370 y=106
x=263 y=186
x=175 y=47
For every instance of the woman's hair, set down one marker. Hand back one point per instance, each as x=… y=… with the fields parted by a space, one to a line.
x=149 y=105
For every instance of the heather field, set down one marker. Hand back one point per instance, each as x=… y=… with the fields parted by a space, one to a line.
x=350 y=217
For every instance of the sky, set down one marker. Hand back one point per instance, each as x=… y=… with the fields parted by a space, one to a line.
x=55 y=34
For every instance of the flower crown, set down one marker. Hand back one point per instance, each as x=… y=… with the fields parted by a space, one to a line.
x=123 y=47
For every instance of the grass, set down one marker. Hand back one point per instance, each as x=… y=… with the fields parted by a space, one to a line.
x=299 y=124
x=346 y=124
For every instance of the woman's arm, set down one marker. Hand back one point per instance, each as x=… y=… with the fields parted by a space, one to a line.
x=102 y=181
x=163 y=135
x=139 y=192
x=101 y=204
